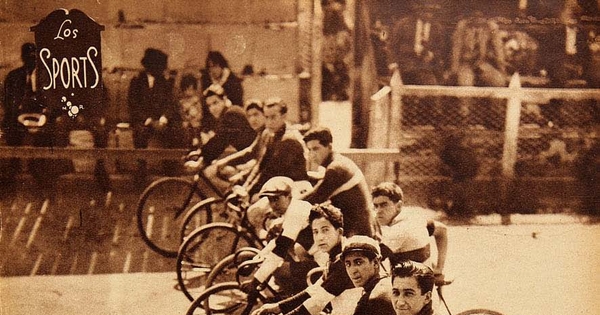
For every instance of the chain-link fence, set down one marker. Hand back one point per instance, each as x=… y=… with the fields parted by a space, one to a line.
x=454 y=156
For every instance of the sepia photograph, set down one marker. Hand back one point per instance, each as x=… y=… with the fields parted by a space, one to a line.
x=322 y=157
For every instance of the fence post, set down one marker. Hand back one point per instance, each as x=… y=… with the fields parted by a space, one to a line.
x=395 y=123
x=378 y=132
x=511 y=134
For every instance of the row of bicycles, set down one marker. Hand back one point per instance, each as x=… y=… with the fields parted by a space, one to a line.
x=207 y=230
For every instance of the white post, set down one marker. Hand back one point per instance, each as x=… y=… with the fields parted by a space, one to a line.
x=511 y=133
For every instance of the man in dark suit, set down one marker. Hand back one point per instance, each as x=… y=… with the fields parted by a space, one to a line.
x=153 y=108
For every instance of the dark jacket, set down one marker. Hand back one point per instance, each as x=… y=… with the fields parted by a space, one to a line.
x=345 y=185
x=377 y=298
x=232 y=129
x=145 y=102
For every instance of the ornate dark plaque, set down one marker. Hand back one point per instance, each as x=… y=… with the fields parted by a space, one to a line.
x=69 y=67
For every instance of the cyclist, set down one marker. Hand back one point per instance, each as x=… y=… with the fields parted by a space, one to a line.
x=412 y=286
x=362 y=257
x=326 y=222
x=406 y=235
x=343 y=183
x=278 y=151
x=294 y=215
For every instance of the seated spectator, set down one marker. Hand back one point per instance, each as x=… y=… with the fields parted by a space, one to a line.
x=29 y=121
x=218 y=73
x=190 y=108
x=153 y=109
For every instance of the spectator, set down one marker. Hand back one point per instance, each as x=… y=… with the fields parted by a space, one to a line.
x=412 y=288
x=417 y=48
x=21 y=99
x=343 y=183
x=153 y=109
x=217 y=72
x=477 y=59
x=19 y=91
x=190 y=108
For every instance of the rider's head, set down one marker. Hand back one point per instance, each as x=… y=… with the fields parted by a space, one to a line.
x=327 y=223
x=387 y=201
x=279 y=192
x=255 y=114
x=412 y=285
x=275 y=111
x=319 y=143
x=215 y=100
x=361 y=256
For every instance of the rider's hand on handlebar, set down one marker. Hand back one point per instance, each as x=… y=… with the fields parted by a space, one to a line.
x=194 y=166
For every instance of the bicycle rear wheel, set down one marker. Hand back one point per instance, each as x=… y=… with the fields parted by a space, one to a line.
x=479 y=311
x=161 y=210
x=202 y=250
x=223 y=298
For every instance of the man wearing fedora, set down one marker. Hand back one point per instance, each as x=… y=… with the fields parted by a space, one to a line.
x=153 y=109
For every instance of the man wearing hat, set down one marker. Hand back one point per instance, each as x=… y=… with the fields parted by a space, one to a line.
x=294 y=214
x=153 y=109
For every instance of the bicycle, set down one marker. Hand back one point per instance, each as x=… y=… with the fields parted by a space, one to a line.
x=229 y=298
x=211 y=243
x=166 y=200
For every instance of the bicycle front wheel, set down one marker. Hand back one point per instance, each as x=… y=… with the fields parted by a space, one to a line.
x=226 y=269
x=202 y=250
x=223 y=298
x=161 y=210
x=479 y=311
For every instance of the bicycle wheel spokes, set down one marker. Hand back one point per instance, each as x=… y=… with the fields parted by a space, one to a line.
x=161 y=211
x=202 y=250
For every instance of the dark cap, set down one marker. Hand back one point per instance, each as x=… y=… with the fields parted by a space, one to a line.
x=362 y=244
x=278 y=185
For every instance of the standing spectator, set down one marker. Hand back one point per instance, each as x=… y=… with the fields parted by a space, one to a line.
x=217 y=72
x=343 y=183
x=190 y=108
x=477 y=58
x=417 y=48
x=153 y=109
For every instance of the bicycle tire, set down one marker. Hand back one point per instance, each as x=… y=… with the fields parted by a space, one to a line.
x=223 y=298
x=479 y=311
x=202 y=250
x=165 y=201
x=195 y=217
x=225 y=270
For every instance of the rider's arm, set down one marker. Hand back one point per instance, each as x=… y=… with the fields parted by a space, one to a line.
x=441 y=241
x=241 y=156
x=333 y=179
x=292 y=225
